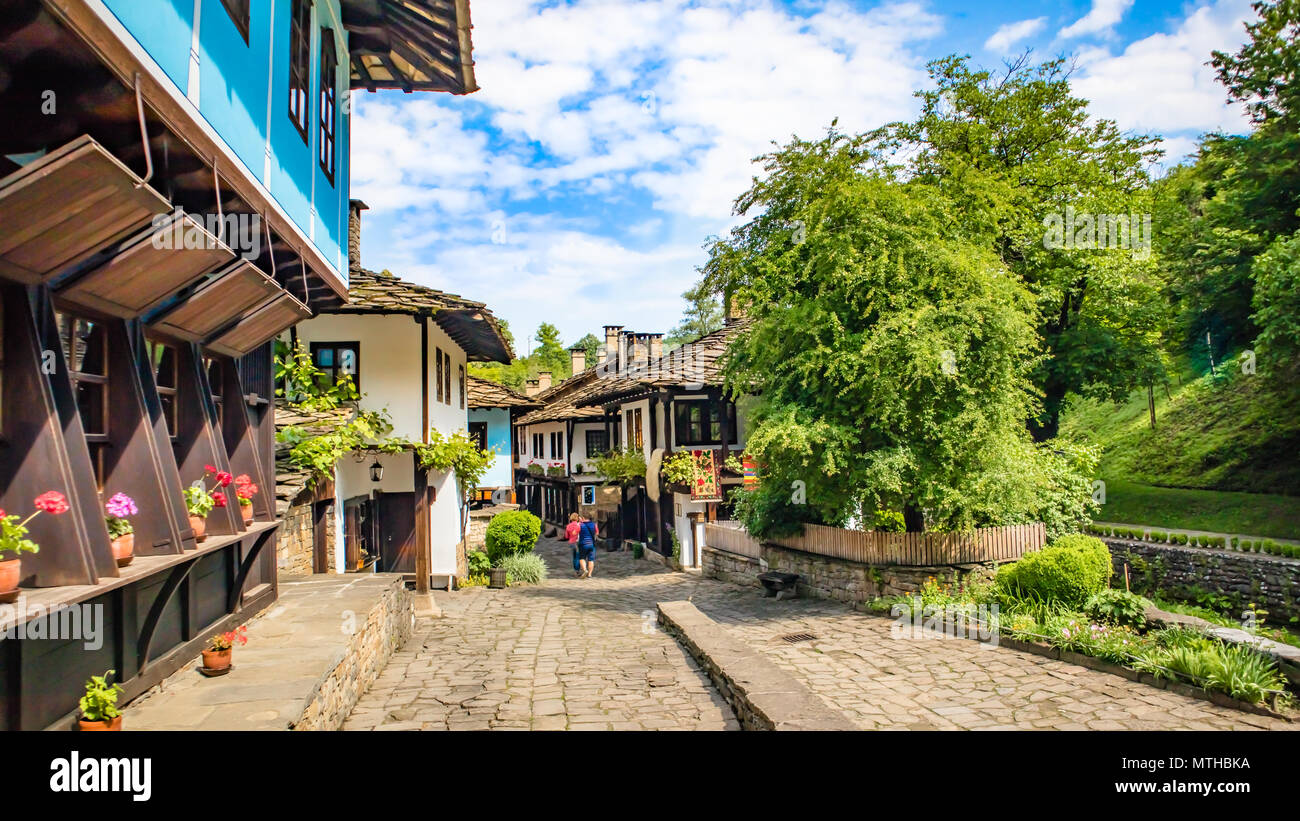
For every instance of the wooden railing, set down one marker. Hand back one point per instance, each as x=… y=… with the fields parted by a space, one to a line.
x=989 y=544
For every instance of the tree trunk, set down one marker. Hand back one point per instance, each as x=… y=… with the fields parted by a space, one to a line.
x=913 y=518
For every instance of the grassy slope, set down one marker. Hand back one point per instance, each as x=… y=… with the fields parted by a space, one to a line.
x=1210 y=439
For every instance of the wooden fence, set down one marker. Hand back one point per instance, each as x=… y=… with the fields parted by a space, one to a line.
x=990 y=544
x=732 y=538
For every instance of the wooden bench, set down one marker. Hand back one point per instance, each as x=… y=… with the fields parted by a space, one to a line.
x=780 y=585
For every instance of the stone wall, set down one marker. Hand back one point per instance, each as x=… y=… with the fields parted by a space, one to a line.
x=1270 y=582
x=293 y=547
x=387 y=627
x=827 y=578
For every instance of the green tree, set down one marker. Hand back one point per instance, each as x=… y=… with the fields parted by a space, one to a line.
x=1010 y=151
x=891 y=351
x=590 y=346
x=703 y=315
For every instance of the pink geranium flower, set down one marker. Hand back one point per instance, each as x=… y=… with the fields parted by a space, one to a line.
x=121 y=506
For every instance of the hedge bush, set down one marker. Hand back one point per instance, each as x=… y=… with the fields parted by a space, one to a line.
x=1070 y=570
x=511 y=533
x=1182 y=538
x=1159 y=536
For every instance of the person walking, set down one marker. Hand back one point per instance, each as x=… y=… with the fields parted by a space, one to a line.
x=571 y=533
x=587 y=531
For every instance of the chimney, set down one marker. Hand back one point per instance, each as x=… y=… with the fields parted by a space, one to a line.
x=578 y=358
x=612 y=349
x=355 y=207
x=656 y=346
x=531 y=388
x=543 y=381
x=735 y=310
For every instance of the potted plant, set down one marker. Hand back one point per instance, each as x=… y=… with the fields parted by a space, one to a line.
x=245 y=490
x=99 y=705
x=14 y=541
x=200 y=500
x=216 y=659
x=120 y=531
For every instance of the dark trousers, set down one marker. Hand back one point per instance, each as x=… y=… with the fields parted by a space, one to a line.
x=576 y=566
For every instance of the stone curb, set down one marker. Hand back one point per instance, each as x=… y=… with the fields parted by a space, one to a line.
x=763 y=696
x=387 y=626
x=1101 y=666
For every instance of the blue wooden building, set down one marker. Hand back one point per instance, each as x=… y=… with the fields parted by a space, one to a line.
x=173 y=195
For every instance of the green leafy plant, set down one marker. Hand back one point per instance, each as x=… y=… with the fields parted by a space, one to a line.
x=306 y=386
x=679 y=467
x=1069 y=571
x=525 y=568
x=100 y=701
x=478 y=562
x=889 y=521
x=511 y=533
x=13 y=528
x=1118 y=607
x=198 y=501
x=621 y=467
x=535 y=469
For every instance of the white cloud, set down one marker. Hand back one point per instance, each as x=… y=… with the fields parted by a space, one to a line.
x=1103 y=15
x=1009 y=34
x=1163 y=83
x=653 y=107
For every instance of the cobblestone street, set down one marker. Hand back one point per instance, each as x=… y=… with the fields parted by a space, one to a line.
x=587 y=654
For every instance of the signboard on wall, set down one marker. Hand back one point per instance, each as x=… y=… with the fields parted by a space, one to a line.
x=589 y=494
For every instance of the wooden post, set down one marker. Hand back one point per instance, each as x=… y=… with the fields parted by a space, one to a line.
x=421 y=528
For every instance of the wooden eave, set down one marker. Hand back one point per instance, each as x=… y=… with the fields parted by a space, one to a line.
x=231 y=294
x=414 y=45
x=67 y=206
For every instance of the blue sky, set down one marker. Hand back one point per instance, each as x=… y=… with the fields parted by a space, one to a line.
x=610 y=137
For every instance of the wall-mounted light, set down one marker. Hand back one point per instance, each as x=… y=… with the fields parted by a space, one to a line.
x=376 y=471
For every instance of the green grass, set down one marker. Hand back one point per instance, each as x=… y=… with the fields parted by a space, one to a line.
x=1218 y=511
x=1229 y=434
x=1221 y=458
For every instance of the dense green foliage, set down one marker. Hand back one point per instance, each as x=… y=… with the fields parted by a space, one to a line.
x=511 y=533
x=526 y=568
x=704 y=314
x=620 y=467
x=1118 y=607
x=1070 y=570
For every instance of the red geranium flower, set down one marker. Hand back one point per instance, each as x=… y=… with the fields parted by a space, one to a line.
x=52 y=502
x=209 y=469
x=218 y=499
x=242 y=479
x=224 y=479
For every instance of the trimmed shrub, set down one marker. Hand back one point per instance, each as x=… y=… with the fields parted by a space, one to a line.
x=1182 y=538
x=1159 y=536
x=1070 y=570
x=1247 y=545
x=1270 y=546
x=524 y=568
x=1235 y=543
x=511 y=533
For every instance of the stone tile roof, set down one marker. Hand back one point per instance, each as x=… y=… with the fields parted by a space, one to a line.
x=557 y=402
x=484 y=393
x=468 y=322
x=291 y=481
x=695 y=364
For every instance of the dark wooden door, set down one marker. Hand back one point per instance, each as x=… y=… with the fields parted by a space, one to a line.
x=396 y=531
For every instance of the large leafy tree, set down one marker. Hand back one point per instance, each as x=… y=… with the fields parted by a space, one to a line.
x=1011 y=150
x=891 y=350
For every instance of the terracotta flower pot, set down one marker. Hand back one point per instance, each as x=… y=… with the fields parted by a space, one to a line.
x=10 y=572
x=99 y=726
x=124 y=549
x=200 y=528
x=247 y=512
x=217 y=659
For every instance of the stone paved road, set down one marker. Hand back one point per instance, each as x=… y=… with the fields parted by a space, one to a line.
x=577 y=654
x=585 y=654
